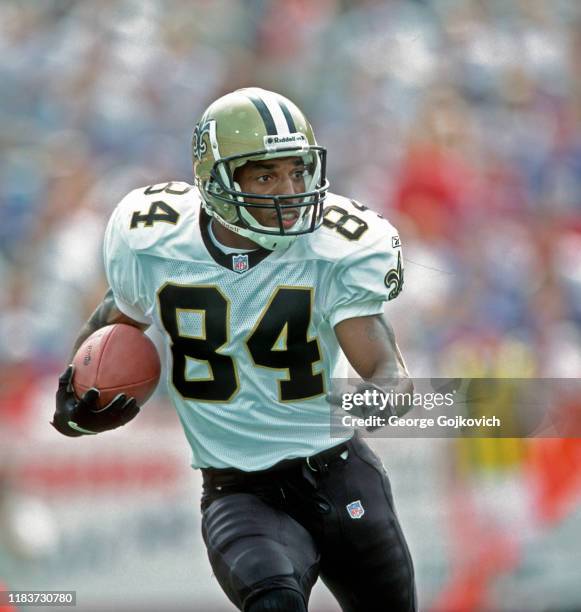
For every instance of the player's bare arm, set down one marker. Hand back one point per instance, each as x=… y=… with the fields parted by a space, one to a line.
x=370 y=346
x=106 y=313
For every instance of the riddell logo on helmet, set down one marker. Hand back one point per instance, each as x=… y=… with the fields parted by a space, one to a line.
x=277 y=142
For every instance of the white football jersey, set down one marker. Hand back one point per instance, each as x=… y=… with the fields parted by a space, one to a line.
x=251 y=346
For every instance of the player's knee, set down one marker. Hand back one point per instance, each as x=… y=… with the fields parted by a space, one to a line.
x=266 y=580
x=262 y=563
x=277 y=600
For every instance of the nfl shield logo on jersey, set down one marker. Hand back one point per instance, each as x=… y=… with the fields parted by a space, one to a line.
x=240 y=263
x=356 y=509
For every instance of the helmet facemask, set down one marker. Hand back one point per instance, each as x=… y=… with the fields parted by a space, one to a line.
x=228 y=197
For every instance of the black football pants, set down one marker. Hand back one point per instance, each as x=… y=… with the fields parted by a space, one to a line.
x=282 y=528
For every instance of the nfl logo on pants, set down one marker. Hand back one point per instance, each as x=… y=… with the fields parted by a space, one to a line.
x=356 y=509
x=240 y=263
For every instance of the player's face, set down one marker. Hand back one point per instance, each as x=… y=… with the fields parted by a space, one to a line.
x=284 y=176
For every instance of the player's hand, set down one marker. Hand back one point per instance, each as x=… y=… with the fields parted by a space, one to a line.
x=77 y=417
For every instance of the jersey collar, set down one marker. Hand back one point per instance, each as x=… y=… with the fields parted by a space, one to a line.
x=235 y=262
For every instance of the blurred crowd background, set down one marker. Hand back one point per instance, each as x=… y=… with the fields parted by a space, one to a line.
x=459 y=120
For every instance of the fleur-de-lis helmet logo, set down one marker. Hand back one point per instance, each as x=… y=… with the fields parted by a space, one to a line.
x=199 y=144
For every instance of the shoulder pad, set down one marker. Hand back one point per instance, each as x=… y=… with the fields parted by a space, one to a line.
x=350 y=227
x=152 y=216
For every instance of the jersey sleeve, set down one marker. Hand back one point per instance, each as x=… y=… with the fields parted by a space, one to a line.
x=366 y=279
x=124 y=272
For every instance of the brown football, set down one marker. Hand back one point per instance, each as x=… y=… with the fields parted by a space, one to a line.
x=117 y=359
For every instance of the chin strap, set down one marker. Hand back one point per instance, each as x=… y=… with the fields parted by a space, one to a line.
x=270 y=242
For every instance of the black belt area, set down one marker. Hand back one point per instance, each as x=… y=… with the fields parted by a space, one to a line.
x=215 y=477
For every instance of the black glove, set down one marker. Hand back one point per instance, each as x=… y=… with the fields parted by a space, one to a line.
x=77 y=417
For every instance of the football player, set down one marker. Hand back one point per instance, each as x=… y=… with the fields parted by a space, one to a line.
x=265 y=287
